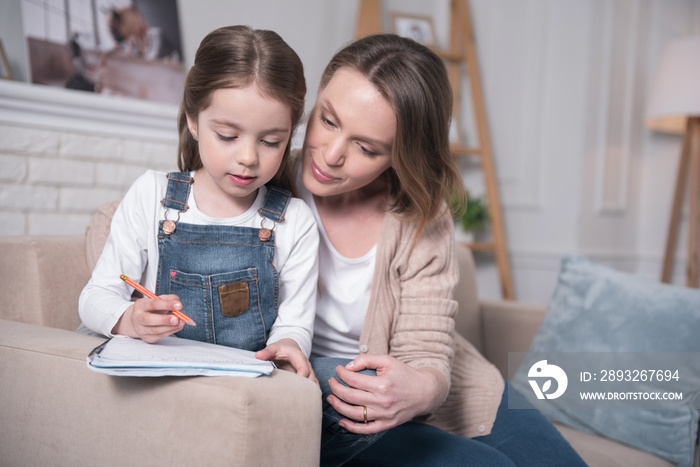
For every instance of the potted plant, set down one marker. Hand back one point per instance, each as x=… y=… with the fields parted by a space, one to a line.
x=473 y=219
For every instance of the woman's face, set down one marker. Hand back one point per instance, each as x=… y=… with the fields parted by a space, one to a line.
x=349 y=138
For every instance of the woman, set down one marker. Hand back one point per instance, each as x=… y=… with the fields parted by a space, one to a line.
x=376 y=169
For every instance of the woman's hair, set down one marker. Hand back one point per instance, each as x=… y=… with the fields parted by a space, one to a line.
x=414 y=81
x=234 y=57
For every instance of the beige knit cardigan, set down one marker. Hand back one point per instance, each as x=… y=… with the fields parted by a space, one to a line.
x=411 y=317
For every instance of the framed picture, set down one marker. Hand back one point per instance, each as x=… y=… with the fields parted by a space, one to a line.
x=5 y=71
x=114 y=47
x=417 y=27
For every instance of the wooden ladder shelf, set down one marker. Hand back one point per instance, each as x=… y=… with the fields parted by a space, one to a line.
x=462 y=60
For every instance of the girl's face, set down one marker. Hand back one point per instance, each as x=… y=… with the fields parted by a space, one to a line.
x=349 y=138
x=242 y=137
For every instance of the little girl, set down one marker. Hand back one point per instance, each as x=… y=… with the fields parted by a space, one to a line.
x=236 y=254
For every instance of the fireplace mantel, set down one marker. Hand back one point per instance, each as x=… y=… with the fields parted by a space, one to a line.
x=31 y=105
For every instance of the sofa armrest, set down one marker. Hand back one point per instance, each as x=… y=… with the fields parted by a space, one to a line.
x=508 y=327
x=41 y=278
x=55 y=411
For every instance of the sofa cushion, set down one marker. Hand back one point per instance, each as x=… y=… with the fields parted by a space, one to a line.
x=97 y=232
x=42 y=277
x=602 y=452
x=595 y=308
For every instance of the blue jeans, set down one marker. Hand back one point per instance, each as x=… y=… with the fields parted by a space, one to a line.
x=519 y=437
x=338 y=445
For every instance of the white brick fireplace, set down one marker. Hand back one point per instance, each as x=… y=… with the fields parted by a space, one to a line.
x=63 y=153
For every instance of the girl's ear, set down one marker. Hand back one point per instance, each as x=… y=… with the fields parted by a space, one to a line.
x=192 y=125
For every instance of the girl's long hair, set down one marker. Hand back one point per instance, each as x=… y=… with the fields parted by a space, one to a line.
x=233 y=57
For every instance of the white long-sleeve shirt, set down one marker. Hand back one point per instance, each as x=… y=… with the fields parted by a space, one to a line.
x=132 y=249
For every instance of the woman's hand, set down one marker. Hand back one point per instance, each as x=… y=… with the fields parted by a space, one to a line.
x=148 y=319
x=288 y=356
x=396 y=395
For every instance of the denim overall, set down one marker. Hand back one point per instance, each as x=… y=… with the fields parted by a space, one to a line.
x=223 y=275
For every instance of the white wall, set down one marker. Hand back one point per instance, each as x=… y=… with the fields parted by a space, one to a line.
x=565 y=84
x=315 y=29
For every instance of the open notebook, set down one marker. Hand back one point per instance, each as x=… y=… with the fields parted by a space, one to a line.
x=172 y=356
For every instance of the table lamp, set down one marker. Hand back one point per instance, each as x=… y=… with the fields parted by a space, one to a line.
x=674 y=107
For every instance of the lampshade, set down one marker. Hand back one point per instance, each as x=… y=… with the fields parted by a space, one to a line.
x=675 y=94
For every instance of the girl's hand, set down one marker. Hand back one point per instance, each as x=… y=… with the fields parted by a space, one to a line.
x=149 y=319
x=396 y=395
x=288 y=356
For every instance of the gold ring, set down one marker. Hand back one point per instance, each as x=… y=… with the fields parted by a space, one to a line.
x=364 y=412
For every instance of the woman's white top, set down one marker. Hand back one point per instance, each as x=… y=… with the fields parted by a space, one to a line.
x=343 y=295
x=132 y=249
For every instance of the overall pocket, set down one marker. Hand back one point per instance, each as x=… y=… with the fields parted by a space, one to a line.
x=234 y=298
x=225 y=306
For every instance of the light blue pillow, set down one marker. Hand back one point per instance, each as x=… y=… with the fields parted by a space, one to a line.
x=595 y=308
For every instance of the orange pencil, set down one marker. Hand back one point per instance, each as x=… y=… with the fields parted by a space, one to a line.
x=147 y=293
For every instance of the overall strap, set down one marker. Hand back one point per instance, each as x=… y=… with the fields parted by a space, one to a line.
x=179 y=186
x=275 y=203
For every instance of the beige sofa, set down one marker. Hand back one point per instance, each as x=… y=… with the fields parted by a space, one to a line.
x=55 y=411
